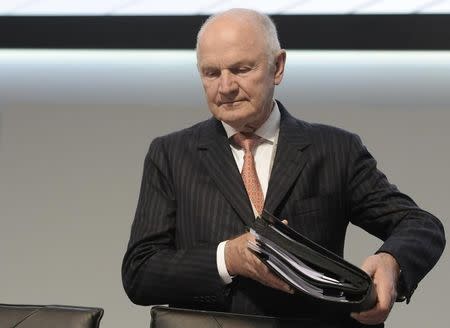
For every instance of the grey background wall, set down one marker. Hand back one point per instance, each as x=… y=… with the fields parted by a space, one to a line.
x=75 y=127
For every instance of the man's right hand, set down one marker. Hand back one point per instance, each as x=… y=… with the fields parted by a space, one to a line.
x=240 y=260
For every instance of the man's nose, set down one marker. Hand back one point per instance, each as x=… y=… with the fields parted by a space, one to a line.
x=227 y=83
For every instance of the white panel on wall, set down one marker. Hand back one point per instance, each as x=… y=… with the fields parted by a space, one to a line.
x=95 y=77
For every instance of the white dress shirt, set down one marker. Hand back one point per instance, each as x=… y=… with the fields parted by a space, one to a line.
x=264 y=155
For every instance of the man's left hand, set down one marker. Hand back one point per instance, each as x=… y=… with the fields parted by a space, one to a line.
x=384 y=270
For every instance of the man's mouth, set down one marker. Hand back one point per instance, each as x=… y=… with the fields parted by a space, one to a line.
x=230 y=103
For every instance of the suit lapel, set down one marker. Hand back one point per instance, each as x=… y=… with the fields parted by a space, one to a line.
x=290 y=158
x=216 y=156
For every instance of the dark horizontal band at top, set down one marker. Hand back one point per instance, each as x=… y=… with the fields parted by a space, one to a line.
x=333 y=32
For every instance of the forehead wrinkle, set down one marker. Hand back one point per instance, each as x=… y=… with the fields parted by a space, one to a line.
x=229 y=53
x=224 y=63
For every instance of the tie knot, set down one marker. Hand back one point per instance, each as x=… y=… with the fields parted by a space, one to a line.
x=247 y=141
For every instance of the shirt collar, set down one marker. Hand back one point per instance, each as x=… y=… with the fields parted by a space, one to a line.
x=268 y=130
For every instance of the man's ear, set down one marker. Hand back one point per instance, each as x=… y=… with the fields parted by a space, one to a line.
x=280 y=61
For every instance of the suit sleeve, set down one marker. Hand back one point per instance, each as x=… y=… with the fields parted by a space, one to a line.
x=154 y=269
x=413 y=236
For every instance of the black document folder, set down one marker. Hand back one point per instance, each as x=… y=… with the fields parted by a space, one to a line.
x=310 y=268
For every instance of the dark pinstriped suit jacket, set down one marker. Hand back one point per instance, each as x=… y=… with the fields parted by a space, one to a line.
x=192 y=197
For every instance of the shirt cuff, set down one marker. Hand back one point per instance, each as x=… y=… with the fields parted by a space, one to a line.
x=221 y=266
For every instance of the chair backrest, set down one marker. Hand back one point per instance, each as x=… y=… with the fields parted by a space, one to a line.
x=49 y=316
x=168 y=317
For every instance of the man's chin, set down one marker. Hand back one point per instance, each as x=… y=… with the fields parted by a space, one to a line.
x=237 y=124
x=240 y=125
x=235 y=116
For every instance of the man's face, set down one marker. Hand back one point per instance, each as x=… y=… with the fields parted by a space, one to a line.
x=236 y=74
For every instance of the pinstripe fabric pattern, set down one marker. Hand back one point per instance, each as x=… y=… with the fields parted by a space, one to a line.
x=192 y=197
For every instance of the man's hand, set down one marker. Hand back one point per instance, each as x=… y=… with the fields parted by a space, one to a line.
x=241 y=261
x=384 y=270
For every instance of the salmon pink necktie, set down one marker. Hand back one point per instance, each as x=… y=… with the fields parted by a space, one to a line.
x=251 y=182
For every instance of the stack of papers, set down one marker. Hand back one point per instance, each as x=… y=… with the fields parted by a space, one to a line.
x=308 y=267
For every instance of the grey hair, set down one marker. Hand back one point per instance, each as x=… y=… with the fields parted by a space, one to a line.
x=265 y=23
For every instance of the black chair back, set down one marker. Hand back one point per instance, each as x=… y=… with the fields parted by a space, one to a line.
x=49 y=316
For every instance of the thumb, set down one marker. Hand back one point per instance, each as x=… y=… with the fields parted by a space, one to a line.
x=369 y=266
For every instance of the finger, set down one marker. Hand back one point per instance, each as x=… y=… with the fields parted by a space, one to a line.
x=368 y=268
x=237 y=254
x=240 y=260
x=265 y=276
x=372 y=317
x=379 y=312
x=277 y=283
x=271 y=280
x=386 y=292
x=285 y=222
x=383 y=274
x=369 y=317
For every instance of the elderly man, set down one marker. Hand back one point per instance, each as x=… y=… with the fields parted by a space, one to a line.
x=203 y=186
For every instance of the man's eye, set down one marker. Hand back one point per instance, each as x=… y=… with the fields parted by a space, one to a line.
x=242 y=70
x=211 y=73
